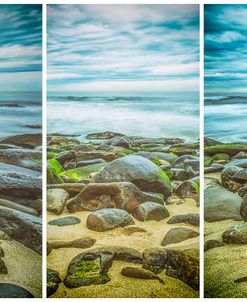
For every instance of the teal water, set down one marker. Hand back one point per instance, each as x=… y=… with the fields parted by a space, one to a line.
x=14 y=119
x=152 y=115
x=225 y=117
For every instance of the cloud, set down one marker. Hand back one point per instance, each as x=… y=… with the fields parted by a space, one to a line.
x=128 y=43
x=20 y=47
x=225 y=48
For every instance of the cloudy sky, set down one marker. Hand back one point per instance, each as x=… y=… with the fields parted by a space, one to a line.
x=123 y=47
x=225 y=48
x=20 y=47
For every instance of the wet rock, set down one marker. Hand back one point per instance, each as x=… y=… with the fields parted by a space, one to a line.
x=104 y=135
x=82 y=243
x=108 y=219
x=191 y=218
x=214 y=168
x=211 y=244
x=243 y=209
x=85 y=269
x=236 y=234
x=228 y=179
x=91 y=155
x=220 y=204
x=19 y=181
x=136 y=272
x=189 y=163
x=22 y=227
x=188 y=188
x=53 y=281
x=119 y=141
x=142 y=172
x=241 y=163
x=65 y=221
x=71 y=188
x=242 y=191
x=150 y=211
x=178 y=234
x=162 y=156
x=8 y=290
x=64 y=156
x=56 y=200
x=183 y=265
x=24 y=140
x=123 y=195
x=89 y=162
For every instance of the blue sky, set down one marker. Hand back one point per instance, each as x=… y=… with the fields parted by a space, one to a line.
x=20 y=47
x=225 y=48
x=123 y=47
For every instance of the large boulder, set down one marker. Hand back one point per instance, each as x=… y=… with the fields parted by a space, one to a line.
x=22 y=227
x=24 y=140
x=220 y=204
x=183 y=265
x=108 y=219
x=178 y=234
x=19 y=181
x=56 y=200
x=122 y=195
x=150 y=211
x=142 y=172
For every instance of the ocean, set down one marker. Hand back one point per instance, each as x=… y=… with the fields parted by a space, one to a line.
x=19 y=109
x=225 y=117
x=152 y=115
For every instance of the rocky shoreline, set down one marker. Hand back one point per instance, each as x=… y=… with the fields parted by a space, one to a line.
x=20 y=216
x=123 y=216
x=225 y=214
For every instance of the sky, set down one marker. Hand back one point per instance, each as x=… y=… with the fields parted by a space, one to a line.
x=225 y=55
x=20 y=47
x=123 y=48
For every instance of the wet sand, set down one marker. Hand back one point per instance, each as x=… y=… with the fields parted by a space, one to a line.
x=24 y=267
x=121 y=286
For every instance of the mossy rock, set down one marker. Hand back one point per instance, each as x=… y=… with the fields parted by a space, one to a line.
x=208 y=161
x=85 y=272
x=52 y=176
x=183 y=149
x=55 y=165
x=230 y=149
x=51 y=154
x=62 y=140
x=82 y=173
x=221 y=157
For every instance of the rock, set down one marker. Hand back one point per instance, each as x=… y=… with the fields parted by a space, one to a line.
x=104 y=135
x=56 y=200
x=210 y=244
x=241 y=279
x=242 y=191
x=189 y=188
x=64 y=156
x=26 y=158
x=1 y=251
x=85 y=269
x=3 y=269
x=184 y=149
x=236 y=234
x=187 y=161
x=82 y=243
x=228 y=179
x=53 y=281
x=214 y=168
x=220 y=204
x=119 y=141
x=191 y=218
x=65 y=221
x=62 y=140
x=108 y=219
x=19 y=181
x=24 y=140
x=228 y=148
x=130 y=229
x=150 y=211
x=22 y=227
x=243 y=209
x=183 y=265
x=8 y=290
x=34 y=126
x=178 y=234
x=221 y=157
x=142 y=172
x=18 y=207
x=91 y=155
x=71 y=188
x=136 y=272
x=241 y=163
x=170 y=158
x=123 y=195
x=89 y=162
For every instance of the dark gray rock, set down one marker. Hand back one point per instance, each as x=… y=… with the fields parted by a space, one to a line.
x=236 y=234
x=65 y=221
x=150 y=211
x=211 y=244
x=8 y=290
x=108 y=219
x=191 y=218
x=53 y=281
